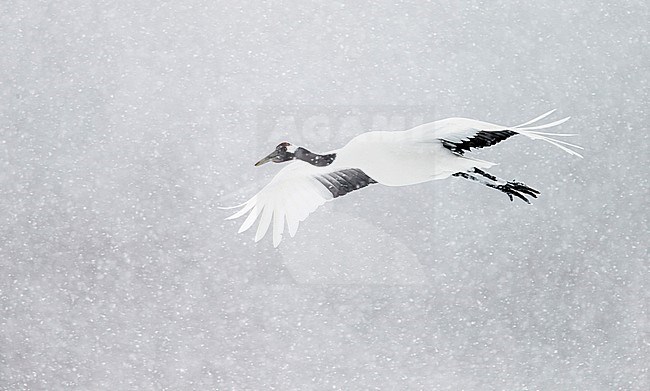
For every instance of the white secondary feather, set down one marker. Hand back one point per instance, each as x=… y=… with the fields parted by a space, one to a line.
x=389 y=158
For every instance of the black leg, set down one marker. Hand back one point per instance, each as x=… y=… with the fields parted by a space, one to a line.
x=485 y=174
x=465 y=175
x=511 y=189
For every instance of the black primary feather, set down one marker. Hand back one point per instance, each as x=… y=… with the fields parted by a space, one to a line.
x=481 y=139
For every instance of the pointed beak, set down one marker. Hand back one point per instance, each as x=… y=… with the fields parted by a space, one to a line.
x=267 y=159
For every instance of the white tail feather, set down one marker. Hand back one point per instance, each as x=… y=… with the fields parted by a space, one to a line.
x=565 y=143
x=530 y=132
x=558 y=143
x=557 y=134
x=562 y=147
x=536 y=119
x=549 y=125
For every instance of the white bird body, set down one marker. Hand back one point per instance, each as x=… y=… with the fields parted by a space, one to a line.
x=393 y=158
x=401 y=158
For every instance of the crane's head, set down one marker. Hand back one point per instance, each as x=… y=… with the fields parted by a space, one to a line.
x=283 y=152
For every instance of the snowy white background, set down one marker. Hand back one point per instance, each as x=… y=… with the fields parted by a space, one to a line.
x=123 y=125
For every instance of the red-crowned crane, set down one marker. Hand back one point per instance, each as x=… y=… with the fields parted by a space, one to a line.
x=431 y=151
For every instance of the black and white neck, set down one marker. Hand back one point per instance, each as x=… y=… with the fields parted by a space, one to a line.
x=313 y=158
x=285 y=152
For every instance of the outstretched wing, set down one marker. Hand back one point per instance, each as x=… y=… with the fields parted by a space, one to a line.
x=294 y=193
x=462 y=134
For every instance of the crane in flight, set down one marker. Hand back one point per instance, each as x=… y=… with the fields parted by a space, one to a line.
x=435 y=150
